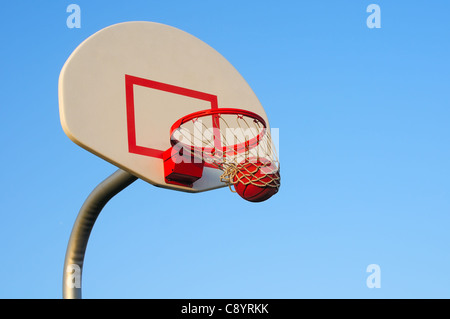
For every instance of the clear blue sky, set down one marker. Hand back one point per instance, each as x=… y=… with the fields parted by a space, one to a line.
x=364 y=128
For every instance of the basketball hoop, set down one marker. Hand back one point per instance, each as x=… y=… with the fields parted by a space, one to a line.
x=149 y=76
x=235 y=141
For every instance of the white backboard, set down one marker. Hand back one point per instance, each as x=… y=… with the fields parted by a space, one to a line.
x=122 y=89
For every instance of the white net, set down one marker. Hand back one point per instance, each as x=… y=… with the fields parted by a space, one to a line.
x=238 y=144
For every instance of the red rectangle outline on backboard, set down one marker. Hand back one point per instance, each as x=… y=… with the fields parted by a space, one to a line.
x=130 y=81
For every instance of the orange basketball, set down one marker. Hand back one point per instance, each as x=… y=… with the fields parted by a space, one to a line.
x=256 y=180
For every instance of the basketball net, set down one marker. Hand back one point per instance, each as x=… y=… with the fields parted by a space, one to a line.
x=229 y=142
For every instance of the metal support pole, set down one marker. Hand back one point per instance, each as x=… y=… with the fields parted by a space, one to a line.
x=73 y=264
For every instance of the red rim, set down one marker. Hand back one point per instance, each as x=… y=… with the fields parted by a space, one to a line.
x=237 y=148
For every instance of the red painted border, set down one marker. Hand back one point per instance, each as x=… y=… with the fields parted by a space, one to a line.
x=130 y=82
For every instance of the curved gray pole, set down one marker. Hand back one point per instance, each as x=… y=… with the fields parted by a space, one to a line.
x=73 y=264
